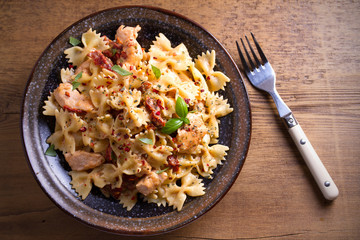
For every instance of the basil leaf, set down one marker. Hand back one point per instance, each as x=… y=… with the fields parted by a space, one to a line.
x=77 y=77
x=160 y=171
x=172 y=125
x=75 y=85
x=181 y=107
x=185 y=120
x=51 y=151
x=73 y=41
x=146 y=141
x=156 y=71
x=121 y=71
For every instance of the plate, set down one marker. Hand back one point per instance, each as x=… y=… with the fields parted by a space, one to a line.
x=52 y=172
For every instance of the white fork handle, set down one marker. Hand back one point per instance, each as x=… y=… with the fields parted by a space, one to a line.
x=312 y=160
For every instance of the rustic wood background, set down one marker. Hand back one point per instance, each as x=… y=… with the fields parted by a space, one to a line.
x=314 y=47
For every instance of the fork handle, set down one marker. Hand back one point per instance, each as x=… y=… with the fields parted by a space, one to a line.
x=312 y=160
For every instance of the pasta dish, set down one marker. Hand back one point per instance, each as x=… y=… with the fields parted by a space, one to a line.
x=136 y=123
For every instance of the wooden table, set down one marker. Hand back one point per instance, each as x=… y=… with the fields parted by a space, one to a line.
x=314 y=48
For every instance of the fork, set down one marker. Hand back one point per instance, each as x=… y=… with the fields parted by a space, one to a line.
x=262 y=76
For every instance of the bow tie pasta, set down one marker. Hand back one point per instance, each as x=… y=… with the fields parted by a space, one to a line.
x=112 y=107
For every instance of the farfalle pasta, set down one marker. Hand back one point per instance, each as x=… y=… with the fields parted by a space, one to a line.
x=115 y=106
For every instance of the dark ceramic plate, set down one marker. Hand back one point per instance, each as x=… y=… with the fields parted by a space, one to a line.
x=52 y=172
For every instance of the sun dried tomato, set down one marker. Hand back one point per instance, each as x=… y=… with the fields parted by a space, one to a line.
x=100 y=59
x=173 y=162
x=145 y=86
x=78 y=111
x=108 y=157
x=152 y=106
x=114 y=51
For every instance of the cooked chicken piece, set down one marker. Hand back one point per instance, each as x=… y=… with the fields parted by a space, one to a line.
x=150 y=182
x=84 y=68
x=124 y=33
x=145 y=168
x=72 y=100
x=191 y=134
x=132 y=52
x=82 y=160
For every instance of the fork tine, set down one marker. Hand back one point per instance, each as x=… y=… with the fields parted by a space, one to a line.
x=246 y=67
x=262 y=55
x=253 y=52
x=248 y=55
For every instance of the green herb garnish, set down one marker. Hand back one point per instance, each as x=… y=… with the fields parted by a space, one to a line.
x=121 y=71
x=186 y=120
x=77 y=77
x=51 y=151
x=146 y=141
x=160 y=171
x=181 y=108
x=156 y=71
x=174 y=123
x=73 y=41
x=75 y=83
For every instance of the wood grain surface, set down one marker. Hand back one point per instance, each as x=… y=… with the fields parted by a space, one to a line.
x=313 y=46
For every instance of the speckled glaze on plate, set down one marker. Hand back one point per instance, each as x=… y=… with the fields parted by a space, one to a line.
x=52 y=172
